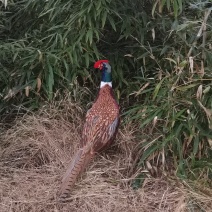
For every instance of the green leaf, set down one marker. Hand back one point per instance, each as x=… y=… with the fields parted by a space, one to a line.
x=171 y=60
x=180 y=6
x=175 y=6
x=148 y=152
x=196 y=145
x=87 y=59
x=112 y=23
x=186 y=87
x=183 y=63
x=157 y=88
x=89 y=36
x=164 y=50
x=104 y=17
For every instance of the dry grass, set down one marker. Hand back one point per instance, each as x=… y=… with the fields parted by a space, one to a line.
x=36 y=150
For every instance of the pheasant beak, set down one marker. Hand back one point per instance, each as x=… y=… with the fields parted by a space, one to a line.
x=99 y=64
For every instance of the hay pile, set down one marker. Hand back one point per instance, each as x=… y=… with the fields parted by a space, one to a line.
x=35 y=152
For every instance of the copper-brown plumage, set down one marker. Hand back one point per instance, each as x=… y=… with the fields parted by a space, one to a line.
x=98 y=132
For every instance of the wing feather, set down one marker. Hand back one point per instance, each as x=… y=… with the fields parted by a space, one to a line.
x=100 y=134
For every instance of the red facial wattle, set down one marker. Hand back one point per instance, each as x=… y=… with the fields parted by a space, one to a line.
x=98 y=64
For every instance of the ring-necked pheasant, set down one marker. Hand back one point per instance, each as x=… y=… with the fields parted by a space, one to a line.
x=99 y=129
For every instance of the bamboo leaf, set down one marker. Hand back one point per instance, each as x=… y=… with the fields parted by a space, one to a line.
x=112 y=23
x=104 y=17
x=157 y=88
x=186 y=87
x=148 y=152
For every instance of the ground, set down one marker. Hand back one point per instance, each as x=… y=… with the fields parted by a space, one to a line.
x=36 y=149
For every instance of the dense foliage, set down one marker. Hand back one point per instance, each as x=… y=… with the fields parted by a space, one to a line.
x=160 y=51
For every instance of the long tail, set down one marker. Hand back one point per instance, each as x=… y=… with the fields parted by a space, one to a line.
x=75 y=168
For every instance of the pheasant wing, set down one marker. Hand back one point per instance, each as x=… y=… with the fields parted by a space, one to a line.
x=99 y=132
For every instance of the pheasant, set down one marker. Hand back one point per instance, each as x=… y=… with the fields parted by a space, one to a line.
x=98 y=132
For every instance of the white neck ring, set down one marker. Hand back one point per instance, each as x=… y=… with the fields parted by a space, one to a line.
x=105 y=83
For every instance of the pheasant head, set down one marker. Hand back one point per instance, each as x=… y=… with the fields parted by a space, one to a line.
x=104 y=66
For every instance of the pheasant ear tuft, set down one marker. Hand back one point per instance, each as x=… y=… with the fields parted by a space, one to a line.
x=98 y=64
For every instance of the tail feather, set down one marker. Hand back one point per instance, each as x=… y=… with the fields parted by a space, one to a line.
x=75 y=168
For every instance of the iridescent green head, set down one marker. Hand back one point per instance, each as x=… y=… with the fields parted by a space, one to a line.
x=104 y=66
